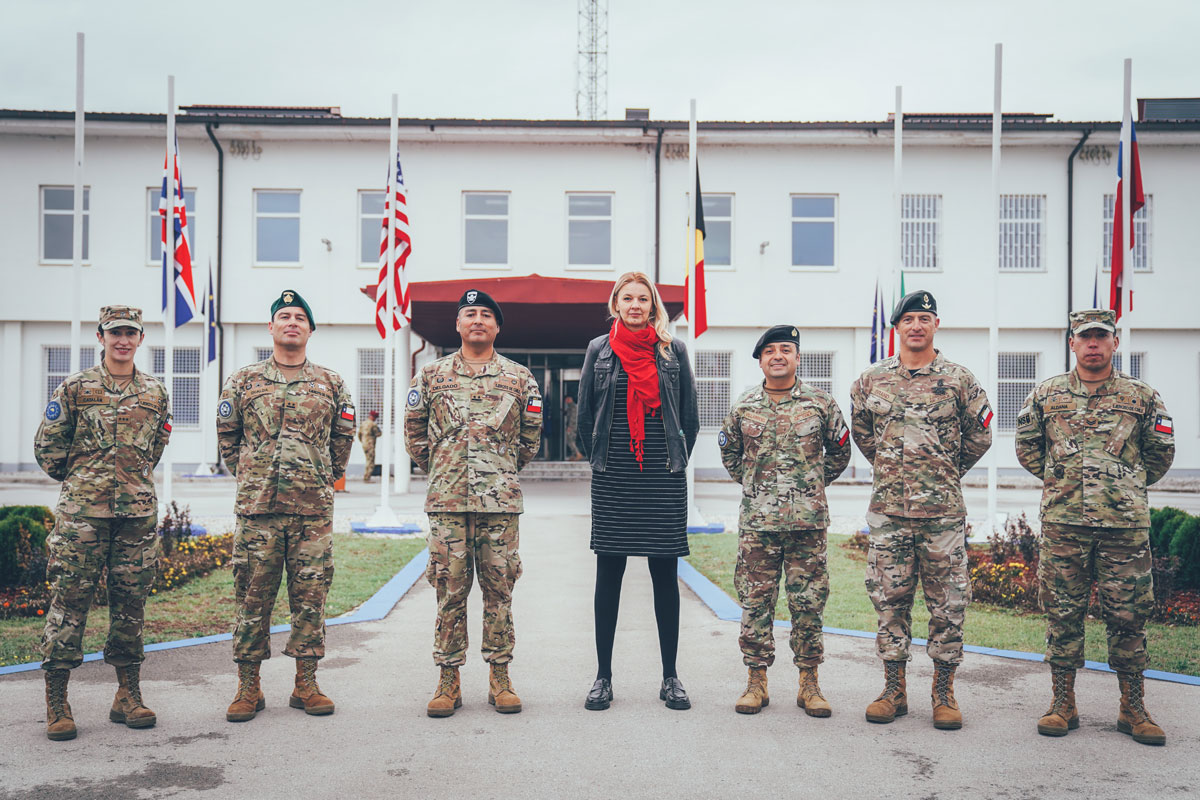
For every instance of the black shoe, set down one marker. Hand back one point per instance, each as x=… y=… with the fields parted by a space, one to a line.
x=676 y=696
x=601 y=695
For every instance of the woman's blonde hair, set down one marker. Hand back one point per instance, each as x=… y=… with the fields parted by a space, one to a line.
x=658 y=312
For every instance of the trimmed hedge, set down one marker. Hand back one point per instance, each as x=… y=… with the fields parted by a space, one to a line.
x=23 y=532
x=1176 y=534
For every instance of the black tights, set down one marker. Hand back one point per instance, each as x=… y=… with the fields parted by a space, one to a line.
x=609 y=572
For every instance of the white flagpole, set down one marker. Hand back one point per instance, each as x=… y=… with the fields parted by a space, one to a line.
x=208 y=424
x=993 y=387
x=77 y=219
x=695 y=520
x=168 y=247
x=897 y=196
x=1127 y=214
x=403 y=379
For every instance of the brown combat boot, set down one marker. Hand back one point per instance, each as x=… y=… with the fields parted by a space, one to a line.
x=1062 y=716
x=60 y=725
x=249 y=700
x=307 y=694
x=448 y=695
x=127 y=706
x=755 y=698
x=893 y=700
x=1133 y=718
x=946 y=716
x=809 y=697
x=500 y=691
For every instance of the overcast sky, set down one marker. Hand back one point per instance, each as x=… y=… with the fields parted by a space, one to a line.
x=741 y=59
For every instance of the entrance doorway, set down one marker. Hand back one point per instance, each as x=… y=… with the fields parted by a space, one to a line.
x=557 y=375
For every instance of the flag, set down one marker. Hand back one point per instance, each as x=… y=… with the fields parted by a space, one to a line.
x=892 y=329
x=1137 y=199
x=1096 y=286
x=396 y=207
x=700 y=320
x=179 y=248
x=210 y=314
x=878 y=323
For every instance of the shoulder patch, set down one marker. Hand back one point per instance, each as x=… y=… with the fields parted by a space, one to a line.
x=225 y=409
x=843 y=436
x=534 y=406
x=985 y=416
x=722 y=439
x=1162 y=424
x=414 y=398
x=53 y=411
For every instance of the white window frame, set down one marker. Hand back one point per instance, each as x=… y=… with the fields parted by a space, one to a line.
x=366 y=401
x=1004 y=422
x=506 y=265
x=154 y=234
x=362 y=217
x=256 y=215
x=703 y=380
x=1041 y=246
x=612 y=199
x=1137 y=363
x=88 y=356
x=914 y=246
x=708 y=265
x=1143 y=224
x=263 y=353
x=804 y=357
x=43 y=211
x=183 y=403
x=834 y=219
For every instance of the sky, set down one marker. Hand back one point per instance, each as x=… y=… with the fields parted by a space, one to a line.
x=740 y=59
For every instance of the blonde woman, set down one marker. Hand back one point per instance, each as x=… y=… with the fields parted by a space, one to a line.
x=637 y=426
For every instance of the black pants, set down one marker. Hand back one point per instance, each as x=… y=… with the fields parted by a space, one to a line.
x=610 y=570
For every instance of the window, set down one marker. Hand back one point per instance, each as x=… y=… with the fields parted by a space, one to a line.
x=589 y=230
x=816 y=369
x=185 y=388
x=370 y=227
x=1018 y=377
x=263 y=353
x=920 y=231
x=1143 y=233
x=712 y=386
x=153 y=198
x=370 y=382
x=276 y=228
x=718 y=230
x=1137 y=361
x=58 y=365
x=1022 y=232
x=58 y=209
x=485 y=229
x=814 y=230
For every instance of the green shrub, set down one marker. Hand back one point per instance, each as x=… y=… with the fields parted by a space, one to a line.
x=1163 y=524
x=23 y=531
x=1185 y=546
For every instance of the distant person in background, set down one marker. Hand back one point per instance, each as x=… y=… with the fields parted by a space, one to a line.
x=368 y=432
x=638 y=421
x=571 y=428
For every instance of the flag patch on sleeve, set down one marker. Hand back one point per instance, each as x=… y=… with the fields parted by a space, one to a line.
x=985 y=416
x=1163 y=424
x=167 y=425
x=843 y=436
x=534 y=406
x=348 y=413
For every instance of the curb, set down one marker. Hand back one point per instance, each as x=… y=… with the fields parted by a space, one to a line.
x=724 y=607
x=376 y=607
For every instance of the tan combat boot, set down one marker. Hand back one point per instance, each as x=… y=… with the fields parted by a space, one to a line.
x=946 y=715
x=127 y=706
x=249 y=700
x=1062 y=716
x=60 y=725
x=893 y=700
x=307 y=694
x=1133 y=718
x=500 y=691
x=755 y=698
x=809 y=697
x=448 y=695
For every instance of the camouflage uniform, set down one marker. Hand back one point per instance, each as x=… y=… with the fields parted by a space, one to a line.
x=368 y=432
x=103 y=443
x=921 y=432
x=1096 y=454
x=472 y=432
x=287 y=443
x=783 y=453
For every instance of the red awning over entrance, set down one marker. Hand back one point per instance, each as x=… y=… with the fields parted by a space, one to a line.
x=539 y=313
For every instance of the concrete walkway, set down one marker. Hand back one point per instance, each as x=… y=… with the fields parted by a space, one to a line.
x=380 y=743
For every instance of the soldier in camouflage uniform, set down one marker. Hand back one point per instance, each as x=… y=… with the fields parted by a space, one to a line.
x=783 y=440
x=102 y=434
x=285 y=427
x=473 y=419
x=368 y=432
x=1097 y=438
x=923 y=422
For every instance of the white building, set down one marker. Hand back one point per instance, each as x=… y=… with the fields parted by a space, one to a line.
x=800 y=219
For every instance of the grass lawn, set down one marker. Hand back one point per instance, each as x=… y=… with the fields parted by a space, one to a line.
x=1173 y=649
x=205 y=606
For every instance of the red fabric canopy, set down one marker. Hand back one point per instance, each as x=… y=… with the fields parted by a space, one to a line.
x=539 y=312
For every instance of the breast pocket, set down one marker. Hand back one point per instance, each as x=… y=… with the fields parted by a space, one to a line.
x=502 y=419
x=445 y=415
x=944 y=416
x=136 y=427
x=809 y=430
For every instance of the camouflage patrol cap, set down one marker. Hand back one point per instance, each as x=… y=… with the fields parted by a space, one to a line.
x=1093 y=318
x=919 y=300
x=120 y=317
x=291 y=298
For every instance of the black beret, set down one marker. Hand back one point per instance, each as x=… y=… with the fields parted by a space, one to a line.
x=474 y=297
x=915 y=301
x=780 y=333
x=289 y=298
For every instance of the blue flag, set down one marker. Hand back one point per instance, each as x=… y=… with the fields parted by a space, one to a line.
x=210 y=314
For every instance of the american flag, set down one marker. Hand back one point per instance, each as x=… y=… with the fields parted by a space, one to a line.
x=395 y=206
x=185 y=287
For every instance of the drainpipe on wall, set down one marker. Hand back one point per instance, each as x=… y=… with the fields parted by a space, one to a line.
x=208 y=128
x=657 y=196
x=1071 y=237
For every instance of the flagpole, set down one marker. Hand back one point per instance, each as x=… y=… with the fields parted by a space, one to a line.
x=695 y=519
x=403 y=379
x=168 y=250
x=994 y=329
x=207 y=465
x=897 y=175
x=77 y=219
x=1127 y=187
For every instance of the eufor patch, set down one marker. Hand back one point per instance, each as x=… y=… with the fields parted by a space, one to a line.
x=1162 y=423
x=225 y=410
x=53 y=411
x=414 y=397
x=722 y=439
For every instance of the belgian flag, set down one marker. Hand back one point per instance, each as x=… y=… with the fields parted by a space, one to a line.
x=700 y=319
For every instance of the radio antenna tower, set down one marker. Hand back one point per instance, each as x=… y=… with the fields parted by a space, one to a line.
x=591 y=67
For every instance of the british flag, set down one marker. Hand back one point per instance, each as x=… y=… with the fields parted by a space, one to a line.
x=185 y=287
x=395 y=207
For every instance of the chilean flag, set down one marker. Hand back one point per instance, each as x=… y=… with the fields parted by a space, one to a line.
x=1137 y=199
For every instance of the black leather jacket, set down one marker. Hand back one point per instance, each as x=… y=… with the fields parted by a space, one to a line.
x=676 y=388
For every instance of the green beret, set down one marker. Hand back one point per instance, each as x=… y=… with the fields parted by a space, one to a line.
x=779 y=333
x=914 y=301
x=291 y=298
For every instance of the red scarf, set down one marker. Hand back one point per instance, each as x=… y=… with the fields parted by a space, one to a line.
x=636 y=351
